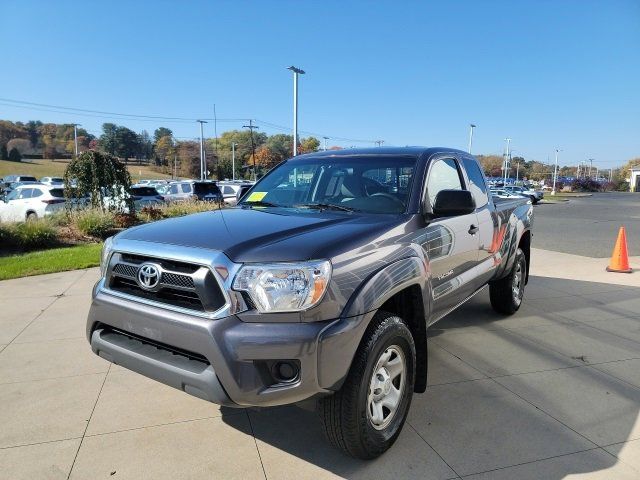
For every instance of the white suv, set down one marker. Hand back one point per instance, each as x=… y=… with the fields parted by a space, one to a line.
x=31 y=201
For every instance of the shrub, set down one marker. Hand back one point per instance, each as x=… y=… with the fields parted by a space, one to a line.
x=14 y=155
x=586 y=185
x=125 y=220
x=151 y=214
x=94 y=222
x=28 y=235
x=4 y=154
x=179 y=209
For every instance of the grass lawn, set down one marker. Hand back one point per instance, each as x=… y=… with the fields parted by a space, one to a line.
x=50 y=261
x=50 y=168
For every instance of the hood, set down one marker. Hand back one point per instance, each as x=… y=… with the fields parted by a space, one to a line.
x=267 y=235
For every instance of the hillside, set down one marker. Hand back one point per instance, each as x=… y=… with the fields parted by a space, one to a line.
x=50 y=168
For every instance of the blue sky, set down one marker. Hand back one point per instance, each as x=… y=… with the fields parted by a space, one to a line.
x=545 y=73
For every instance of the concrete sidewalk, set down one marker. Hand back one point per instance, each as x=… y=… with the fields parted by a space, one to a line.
x=552 y=392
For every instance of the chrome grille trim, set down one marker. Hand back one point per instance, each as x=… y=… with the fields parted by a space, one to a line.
x=212 y=270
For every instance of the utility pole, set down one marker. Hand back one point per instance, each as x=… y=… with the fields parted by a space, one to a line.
x=175 y=167
x=379 y=143
x=296 y=71
x=471 y=127
x=555 y=174
x=75 y=137
x=506 y=160
x=517 y=171
x=233 y=161
x=325 y=142
x=251 y=127
x=590 y=166
x=610 y=175
x=203 y=166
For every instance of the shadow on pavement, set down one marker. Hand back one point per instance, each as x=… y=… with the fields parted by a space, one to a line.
x=535 y=395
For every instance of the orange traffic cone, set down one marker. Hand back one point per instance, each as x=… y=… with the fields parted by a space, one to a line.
x=620 y=258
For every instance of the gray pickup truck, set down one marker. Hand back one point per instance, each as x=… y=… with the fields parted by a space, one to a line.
x=321 y=283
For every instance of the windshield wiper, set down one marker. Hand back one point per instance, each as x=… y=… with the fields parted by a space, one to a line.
x=258 y=203
x=325 y=206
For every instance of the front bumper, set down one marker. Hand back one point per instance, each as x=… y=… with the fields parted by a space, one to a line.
x=221 y=360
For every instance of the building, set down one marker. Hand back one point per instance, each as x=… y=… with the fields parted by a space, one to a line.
x=634 y=181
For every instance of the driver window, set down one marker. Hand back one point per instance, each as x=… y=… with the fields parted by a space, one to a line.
x=25 y=193
x=444 y=175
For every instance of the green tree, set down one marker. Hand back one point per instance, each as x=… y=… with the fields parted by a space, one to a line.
x=281 y=145
x=164 y=150
x=4 y=154
x=309 y=145
x=14 y=155
x=97 y=175
x=161 y=132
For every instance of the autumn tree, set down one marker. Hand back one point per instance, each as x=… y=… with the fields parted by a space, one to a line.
x=308 y=145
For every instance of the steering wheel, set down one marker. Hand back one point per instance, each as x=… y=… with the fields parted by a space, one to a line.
x=390 y=197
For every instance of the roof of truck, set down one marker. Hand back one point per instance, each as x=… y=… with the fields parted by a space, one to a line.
x=413 y=151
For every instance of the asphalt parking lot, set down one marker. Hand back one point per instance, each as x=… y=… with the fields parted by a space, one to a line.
x=588 y=225
x=552 y=392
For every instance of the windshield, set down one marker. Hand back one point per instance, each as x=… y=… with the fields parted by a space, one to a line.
x=371 y=184
x=206 y=189
x=144 y=191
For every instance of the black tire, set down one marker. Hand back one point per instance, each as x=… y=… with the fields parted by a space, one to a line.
x=31 y=216
x=345 y=415
x=534 y=200
x=502 y=292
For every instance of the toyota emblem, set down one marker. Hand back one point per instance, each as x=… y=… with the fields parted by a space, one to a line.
x=148 y=276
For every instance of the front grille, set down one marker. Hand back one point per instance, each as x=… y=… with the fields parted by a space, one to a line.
x=182 y=285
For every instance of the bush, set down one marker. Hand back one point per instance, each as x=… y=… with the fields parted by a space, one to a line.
x=4 y=154
x=586 y=185
x=179 y=209
x=14 y=155
x=151 y=214
x=28 y=235
x=94 y=222
x=125 y=220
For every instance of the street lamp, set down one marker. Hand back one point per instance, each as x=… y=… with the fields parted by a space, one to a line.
x=75 y=137
x=203 y=167
x=233 y=161
x=325 y=142
x=507 y=160
x=555 y=173
x=471 y=127
x=296 y=71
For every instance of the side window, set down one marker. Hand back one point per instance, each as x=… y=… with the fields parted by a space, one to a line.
x=36 y=193
x=444 y=175
x=186 y=188
x=25 y=193
x=478 y=185
x=173 y=189
x=13 y=195
x=227 y=190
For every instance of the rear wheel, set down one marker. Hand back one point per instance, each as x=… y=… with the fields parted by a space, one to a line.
x=31 y=216
x=506 y=294
x=366 y=416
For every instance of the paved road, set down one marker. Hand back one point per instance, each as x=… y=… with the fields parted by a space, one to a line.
x=588 y=226
x=552 y=392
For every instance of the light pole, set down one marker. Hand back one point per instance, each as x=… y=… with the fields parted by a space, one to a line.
x=202 y=165
x=590 y=166
x=233 y=161
x=506 y=160
x=296 y=71
x=75 y=137
x=555 y=173
x=471 y=127
x=325 y=142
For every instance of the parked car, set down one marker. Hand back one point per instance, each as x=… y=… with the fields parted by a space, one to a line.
x=193 y=190
x=231 y=189
x=11 y=181
x=31 y=201
x=502 y=193
x=535 y=195
x=322 y=283
x=141 y=196
x=52 y=181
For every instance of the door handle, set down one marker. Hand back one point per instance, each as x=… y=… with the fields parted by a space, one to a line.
x=473 y=230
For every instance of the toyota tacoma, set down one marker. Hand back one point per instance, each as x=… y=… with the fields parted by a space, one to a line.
x=321 y=283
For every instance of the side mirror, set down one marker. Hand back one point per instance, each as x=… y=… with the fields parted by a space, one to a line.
x=451 y=203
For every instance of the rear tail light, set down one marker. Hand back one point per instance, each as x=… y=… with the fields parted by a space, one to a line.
x=53 y=201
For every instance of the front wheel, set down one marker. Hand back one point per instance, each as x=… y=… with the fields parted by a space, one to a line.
x=506 y=294
x=366 y=416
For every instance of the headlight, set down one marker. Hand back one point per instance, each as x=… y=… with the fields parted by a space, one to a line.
x=284 y=287
x=104 y=256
